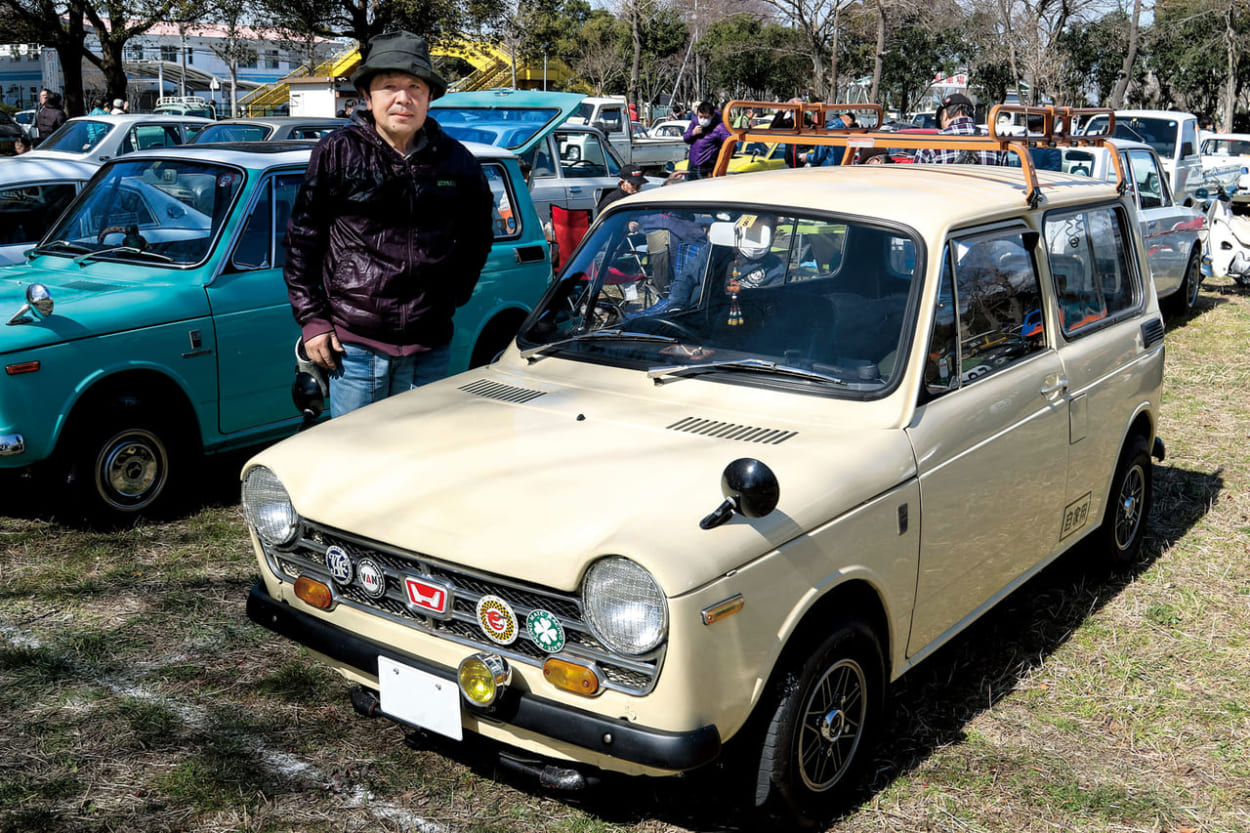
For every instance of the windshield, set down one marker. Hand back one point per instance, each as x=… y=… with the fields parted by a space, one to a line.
x=506 y=127
x=77 y=136
x=1159 y=133
x=1226 y=147
x=233 y=133
x=150 y=211
x=814 y=303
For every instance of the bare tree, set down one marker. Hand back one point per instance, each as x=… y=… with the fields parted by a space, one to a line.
x=816 y=23
x=1130 y=57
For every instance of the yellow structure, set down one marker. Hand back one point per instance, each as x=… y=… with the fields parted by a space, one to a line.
x=492 y=68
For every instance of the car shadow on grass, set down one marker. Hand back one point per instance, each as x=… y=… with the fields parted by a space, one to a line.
x=932 y=704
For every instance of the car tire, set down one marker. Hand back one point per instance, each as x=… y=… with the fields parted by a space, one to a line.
x=823 y=715
x=1123 y=528
x=125 y=465
x=1182 y=302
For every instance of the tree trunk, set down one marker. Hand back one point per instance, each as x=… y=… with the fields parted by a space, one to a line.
x=1126 y=70
x=833 y=58
x=1230 y=82
x=635 y=20
x=879 y=57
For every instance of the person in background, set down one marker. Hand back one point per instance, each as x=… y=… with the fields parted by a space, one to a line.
x=388 y=234
x=100 y=108
x=631 y=182
x=117 y=107
x=796 y=155
x=1044 y=158
x=826 y=155
x=955 y=119
x=705 y=135
x=50 y=117
x=21 y=145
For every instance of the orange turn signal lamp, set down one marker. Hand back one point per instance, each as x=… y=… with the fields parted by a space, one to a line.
x=313 y=592
x=579 y=679
x=21 y=367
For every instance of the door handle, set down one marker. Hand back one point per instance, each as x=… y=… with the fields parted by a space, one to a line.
x=1060 y=385
x=575 y=189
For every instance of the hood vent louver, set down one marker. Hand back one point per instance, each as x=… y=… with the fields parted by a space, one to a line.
x=504 y=393
x=730 y=431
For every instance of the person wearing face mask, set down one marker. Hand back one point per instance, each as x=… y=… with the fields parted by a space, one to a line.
x=705 y=135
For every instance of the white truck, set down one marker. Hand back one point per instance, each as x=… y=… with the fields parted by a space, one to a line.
x=1174 y=136
x=611 y=115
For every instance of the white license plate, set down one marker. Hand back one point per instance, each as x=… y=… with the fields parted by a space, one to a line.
x=419 y=698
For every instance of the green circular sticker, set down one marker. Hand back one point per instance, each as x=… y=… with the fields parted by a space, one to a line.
x=546 y=631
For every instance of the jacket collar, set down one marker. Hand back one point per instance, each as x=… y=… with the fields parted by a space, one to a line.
x=429 y=137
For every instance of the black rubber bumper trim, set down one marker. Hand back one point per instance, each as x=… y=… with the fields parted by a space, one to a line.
x=626 y=741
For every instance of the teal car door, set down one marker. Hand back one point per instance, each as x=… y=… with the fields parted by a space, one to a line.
x=255 y=330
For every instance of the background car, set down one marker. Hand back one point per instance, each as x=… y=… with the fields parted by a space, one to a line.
x=96 y=139
x=26 y=118
x=753 y=156
x=10 y=132
x=669 y=129
x=272 y=129
x=169 y=332
x=33 y=193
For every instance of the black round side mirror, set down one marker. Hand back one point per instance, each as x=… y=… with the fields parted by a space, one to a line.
x=749 y=487
x=308 y=397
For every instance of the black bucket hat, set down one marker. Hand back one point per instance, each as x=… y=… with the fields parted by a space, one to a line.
x=399 y=51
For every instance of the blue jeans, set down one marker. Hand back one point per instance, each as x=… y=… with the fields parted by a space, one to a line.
x=366 y=376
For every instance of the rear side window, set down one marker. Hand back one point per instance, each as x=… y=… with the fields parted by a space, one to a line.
x=505 y=219
x=144 y=136
x=989 y=312
x=1090 y=267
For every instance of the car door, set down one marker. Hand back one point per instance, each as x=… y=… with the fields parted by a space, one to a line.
x=1099 y=294
x=1162 y=220
x=255 y=330
x=991 y=433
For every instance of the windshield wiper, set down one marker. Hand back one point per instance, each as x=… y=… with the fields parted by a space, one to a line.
x=61 y=244
x=615 y=333
x=129 y=250
x=748 y=365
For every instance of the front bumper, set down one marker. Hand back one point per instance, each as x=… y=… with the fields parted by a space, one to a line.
x=605 y=736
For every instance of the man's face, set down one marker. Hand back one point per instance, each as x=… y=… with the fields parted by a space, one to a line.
x=630 y=186
x=43 y=97
x=398 y=102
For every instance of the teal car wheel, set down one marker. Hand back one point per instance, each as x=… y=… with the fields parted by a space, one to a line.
x=124 y=467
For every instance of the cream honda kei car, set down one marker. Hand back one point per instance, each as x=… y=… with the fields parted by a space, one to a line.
x=767 y=444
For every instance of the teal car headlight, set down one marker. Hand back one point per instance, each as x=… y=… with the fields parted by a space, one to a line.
x=624 y=606
x=268 y=508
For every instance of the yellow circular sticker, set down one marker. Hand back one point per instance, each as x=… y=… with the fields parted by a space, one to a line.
x=497 y=620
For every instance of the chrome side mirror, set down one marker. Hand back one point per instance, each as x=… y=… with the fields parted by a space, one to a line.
x=38 y=301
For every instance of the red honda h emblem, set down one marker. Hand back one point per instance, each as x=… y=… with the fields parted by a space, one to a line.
x=426 y=595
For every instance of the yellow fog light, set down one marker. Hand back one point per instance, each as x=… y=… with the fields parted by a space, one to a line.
x=570 y=676
x=313 y=592
x=483 y=677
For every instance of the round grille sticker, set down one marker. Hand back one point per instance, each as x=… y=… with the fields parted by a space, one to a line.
x=497 y=620
x=546 y=631
x=339 y=564
x=370 y=578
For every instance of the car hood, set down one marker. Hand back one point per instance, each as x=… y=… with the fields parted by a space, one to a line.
x=91 y=301
x=534 y=480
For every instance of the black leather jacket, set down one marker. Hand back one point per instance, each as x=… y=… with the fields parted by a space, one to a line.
x=383 y=248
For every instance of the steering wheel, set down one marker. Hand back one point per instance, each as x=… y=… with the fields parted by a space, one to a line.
x=580 y=163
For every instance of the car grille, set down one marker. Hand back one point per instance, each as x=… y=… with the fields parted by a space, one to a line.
x=633 y=675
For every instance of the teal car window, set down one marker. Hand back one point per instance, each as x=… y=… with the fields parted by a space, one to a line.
x=503 y=127
x=150 y=211
x=260 y=243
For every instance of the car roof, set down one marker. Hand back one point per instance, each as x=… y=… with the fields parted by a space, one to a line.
x=510 y=98
x=16 y=170
x=131 y=118
x=929 y=198
x=270 y=154
x=278 y=121
x=1155 y=114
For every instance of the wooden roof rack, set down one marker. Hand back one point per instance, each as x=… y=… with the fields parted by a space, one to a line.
x=809 y=120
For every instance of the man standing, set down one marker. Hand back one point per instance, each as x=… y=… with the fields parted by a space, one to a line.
x=705 y=135
x=388 y=235
x=955 y=119
x=631 y=182
x=50 y=115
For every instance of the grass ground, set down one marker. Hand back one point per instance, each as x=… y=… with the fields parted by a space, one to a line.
x=136 y=696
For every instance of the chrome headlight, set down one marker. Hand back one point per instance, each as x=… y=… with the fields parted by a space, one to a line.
x=626 y=610
x=267 y=507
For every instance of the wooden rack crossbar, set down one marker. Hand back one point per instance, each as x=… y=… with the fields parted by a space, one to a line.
x=809 y=120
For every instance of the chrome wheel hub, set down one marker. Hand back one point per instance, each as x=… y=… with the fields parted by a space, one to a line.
x=131 y=469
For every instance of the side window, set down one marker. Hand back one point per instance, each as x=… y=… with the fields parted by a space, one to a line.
x=1147 y=179
x=1089 y=264
x=611 y=118
x=285 y=188
x=28 y=210
x=990 y=291
x=144 y=136
x=542 y=165
x=504 y=219
x=255 y=243
x=1189 y=137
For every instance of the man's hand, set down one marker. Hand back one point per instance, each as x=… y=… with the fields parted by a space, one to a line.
x=322 y=350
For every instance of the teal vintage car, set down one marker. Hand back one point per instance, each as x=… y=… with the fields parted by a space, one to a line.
x=151 y=324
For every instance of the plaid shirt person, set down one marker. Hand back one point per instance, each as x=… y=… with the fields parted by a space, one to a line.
x=960 y=126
